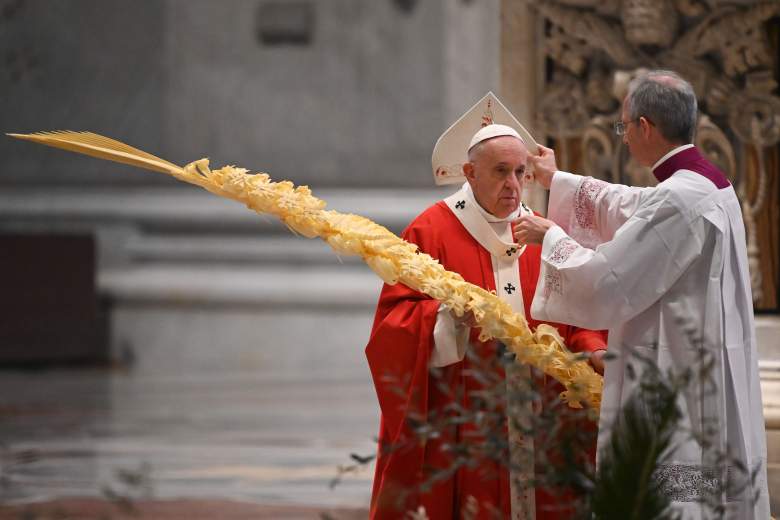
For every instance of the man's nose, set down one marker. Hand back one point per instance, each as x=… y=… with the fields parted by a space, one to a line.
x=513 y=181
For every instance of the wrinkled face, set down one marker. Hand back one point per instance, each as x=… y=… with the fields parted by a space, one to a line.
x=496 y=172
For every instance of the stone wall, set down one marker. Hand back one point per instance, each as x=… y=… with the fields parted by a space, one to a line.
x=328 y=93
x=88 y=65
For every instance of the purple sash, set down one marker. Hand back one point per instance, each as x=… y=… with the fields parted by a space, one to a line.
x=691 y=159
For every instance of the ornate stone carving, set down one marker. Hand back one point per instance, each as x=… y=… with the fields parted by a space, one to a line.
x=711 y=140
x=721 y=46
x=563 y=111
x=598 y=148
x=649 y=22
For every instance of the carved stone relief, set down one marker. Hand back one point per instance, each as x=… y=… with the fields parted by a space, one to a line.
x=594 y=48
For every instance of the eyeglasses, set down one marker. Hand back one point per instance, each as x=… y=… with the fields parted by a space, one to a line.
x=620 y=126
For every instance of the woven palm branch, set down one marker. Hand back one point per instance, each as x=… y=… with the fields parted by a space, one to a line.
x=392 y=258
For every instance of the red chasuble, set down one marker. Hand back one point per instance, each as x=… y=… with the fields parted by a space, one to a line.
x=398 y=354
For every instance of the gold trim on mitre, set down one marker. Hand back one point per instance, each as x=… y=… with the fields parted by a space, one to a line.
x=451 y=149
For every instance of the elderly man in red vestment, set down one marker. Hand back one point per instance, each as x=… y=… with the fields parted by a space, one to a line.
x=423 y=358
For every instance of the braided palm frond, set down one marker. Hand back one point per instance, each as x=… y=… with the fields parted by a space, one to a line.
x=389 y=256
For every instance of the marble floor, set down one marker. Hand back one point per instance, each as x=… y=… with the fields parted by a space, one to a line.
x=217 y=398
x=249 y=436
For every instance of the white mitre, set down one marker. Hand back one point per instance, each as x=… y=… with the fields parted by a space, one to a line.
x=488 y=118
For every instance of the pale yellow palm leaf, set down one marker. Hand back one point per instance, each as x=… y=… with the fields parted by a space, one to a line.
x=392 y=258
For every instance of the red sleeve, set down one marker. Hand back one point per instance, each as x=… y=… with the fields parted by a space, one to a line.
x=586 y=340
x=398 y=352
x=400 y=344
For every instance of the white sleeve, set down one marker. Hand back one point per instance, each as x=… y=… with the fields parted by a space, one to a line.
x=599 y=288
x=591 y=210
x=450 y=339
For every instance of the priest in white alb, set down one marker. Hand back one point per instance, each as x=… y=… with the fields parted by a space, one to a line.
x=665 y=270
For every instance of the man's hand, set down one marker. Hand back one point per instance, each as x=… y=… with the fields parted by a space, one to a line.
x=597 y=360
x=543 y=166
x=467 y=319
x=530 y=229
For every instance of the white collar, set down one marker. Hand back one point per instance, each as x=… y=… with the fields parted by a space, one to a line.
x=504 y=253
x=677 y=150
x=489 y=217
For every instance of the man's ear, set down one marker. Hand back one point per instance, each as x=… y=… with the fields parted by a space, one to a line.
x=645 y=126
x=468 y=170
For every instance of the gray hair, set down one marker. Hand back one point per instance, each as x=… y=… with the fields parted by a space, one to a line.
x=475 y=150
x=666 y=99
